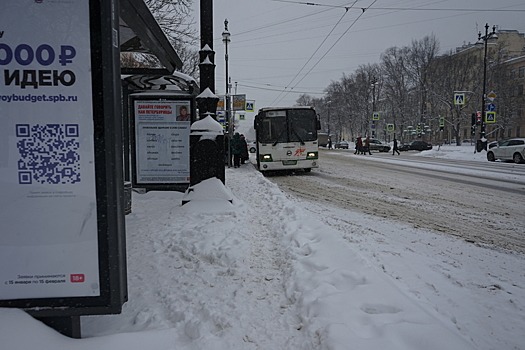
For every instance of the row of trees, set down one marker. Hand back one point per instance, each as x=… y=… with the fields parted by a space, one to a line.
x=415 y=85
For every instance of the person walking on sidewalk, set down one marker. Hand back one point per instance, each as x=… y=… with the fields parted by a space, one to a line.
x=236 y=149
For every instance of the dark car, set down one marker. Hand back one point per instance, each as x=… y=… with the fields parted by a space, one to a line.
x=376 y=145
x=416 y=146
x=341 y=144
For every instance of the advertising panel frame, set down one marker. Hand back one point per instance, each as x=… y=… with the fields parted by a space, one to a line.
x=104 y=97
x=177 y=176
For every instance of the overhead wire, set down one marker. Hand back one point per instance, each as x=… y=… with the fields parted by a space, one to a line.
x=333 y=45
x=403 y=8
x=313 y=54
x=331 y=7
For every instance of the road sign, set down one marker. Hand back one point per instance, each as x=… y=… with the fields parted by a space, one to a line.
x=491 y=95
x=490 y=117
x=239 y=102
x=491 y=107
x=459 y=99
x=375 y=116
x=390 y=127
x=250 y=106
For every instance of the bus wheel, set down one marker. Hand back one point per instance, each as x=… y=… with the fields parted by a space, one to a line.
x=307 y=170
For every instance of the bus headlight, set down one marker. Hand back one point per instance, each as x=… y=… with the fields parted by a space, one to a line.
x=266 y=158
x=312 y=155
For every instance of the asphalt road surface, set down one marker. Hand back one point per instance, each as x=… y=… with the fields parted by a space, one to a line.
x=458 y=198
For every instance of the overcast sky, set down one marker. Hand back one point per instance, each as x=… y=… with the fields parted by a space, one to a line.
x=280 y=49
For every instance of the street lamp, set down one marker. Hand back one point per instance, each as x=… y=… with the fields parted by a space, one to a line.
x=485 y=39
x=226 y=41
x=373 y=83
x=328 y=103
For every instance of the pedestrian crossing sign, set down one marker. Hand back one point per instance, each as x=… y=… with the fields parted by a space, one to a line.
x=490 y=117
x=459 y=99
x=375 y=116
x=250 y=106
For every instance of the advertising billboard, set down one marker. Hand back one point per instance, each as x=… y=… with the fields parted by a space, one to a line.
x=53 y=194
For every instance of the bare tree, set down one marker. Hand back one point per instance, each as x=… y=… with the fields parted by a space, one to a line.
x=304 y=100
x=421 y=57
x=500 y=79
x=398 y=86
x=176 y=21
x=450 y=73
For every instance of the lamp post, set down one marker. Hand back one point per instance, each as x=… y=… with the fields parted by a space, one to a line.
x=373 y=83
x=328 y=104
x=226 y=41
x=485 y=39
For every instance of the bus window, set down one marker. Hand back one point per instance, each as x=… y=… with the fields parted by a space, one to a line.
x=302 y=125
x=273 y=130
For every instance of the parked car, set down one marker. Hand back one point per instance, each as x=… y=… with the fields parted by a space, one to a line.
x=416 y=146
x=493 y=144
x=341 y=144
x=508 y=150
x=376 y=145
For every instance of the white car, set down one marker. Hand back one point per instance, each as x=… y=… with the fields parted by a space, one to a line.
x=508 y=150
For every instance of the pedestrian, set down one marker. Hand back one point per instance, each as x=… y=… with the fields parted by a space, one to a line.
x=358 y=145
x=329 y=143
x=395 y=148
x=244 y=150
x=236 y=149
x=227 y=152
x=367 y=146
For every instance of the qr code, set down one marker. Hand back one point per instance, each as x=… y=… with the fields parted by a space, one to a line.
x=48 y=153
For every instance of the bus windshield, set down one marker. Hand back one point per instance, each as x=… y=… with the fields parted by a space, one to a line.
x=292 y=125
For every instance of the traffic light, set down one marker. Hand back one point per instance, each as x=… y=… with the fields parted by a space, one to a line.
x=478 y=118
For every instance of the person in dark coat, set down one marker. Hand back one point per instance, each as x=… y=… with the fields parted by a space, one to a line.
x=358 y=145
x=367 y=146
x=244 y=145
x=236 y=149
x=395 y=148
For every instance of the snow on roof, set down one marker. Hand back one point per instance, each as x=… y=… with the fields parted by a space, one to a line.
x=207 y=124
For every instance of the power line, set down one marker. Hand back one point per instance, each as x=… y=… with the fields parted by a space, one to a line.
x=335 y=43
x=403 y=8
x=312 y=55
x=280 y=89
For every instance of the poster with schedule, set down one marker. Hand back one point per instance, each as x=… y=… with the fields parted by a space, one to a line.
x=162 y=133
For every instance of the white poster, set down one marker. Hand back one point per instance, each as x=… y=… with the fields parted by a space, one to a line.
x=48 y=214
x=162 y=134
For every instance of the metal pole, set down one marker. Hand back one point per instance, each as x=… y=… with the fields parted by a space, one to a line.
x=226 y=40
x=482 y=129
x=328 y=120
x=485 y=38
x=374 y=82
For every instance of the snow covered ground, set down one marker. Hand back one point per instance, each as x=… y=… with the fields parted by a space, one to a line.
x=266 y=272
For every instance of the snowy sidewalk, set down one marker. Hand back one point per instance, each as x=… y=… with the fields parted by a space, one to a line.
x=256 y=274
